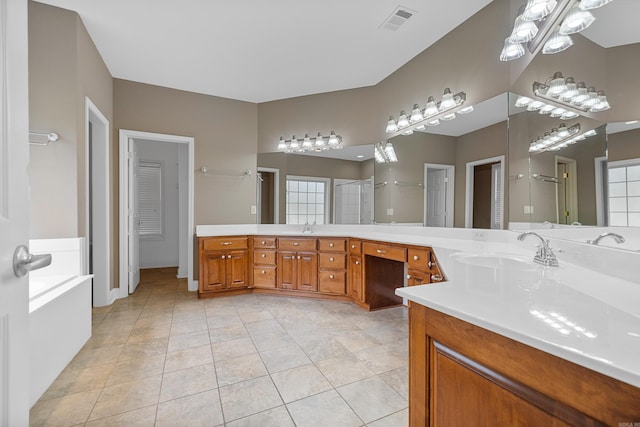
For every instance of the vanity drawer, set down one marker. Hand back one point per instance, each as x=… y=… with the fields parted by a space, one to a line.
x=332 y=282
x=264 y=257
x=297 y=244
x=224 y=243
x=381 y=250
x=264 y=277
x=333 y=261
x=260 y=242
x=332 y=245
x=355 y=246
x=421 y=259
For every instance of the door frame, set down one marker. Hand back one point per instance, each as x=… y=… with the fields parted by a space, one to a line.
x=103 y=294
x=468 y=208
x=125 y=134
x=600 y=165
x=572 y=205
x=450 y=199
x=276 y=192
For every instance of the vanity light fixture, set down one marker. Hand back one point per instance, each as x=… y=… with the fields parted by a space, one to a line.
x=559 y=138
x=571 y=94
x=548 y=23
x=318 y=143
x=385 y=153
x=431 y=115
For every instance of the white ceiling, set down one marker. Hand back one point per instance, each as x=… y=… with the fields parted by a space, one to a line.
x=616 y=24
x=256 y=50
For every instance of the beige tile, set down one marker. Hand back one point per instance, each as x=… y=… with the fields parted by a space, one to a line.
x=321 y=410
x=321 y=348
x=188 y=381
x=398 y=379
x=72 y=381
x=188 y=340
x=91 y=357
x=276 y=417
x=227 y=333
x=272 y=341
x=248 y=398
x=134 y=369
x=126 y=397
x=284 y=358
x=180 y=328
x=372 y=399
x=68 y=410
x=144 y=417
x=106 y=339
x=265 y=327
x=240 y=369
x=355 y=341
x=136 y=350
x=344 y=370
x=188 y=358
x=224 y=320
x=255 y=316
x=383 y=358
x=149 y=333
x=297 y=383
x=232 y=349
x=400 y=418
x=202 y=409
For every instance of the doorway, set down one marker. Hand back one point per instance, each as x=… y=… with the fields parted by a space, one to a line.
x=267 y=195
x=484 y=195
x=129 y=237
x=438 y=195
x=566 y=190
x=97 y=252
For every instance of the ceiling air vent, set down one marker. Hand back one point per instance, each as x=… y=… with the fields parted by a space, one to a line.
x=397 y=18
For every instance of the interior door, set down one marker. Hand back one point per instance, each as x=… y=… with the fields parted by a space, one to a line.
x=133 y=218
x=14 y=213
x=437 y=198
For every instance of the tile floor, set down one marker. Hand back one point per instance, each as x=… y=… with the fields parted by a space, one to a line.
x=162 y=357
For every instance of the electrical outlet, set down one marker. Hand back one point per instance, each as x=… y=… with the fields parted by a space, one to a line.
x=253 y=210
x=528 y=209
x=390 y=212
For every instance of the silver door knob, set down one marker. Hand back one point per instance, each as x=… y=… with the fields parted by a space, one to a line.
x=24 y=262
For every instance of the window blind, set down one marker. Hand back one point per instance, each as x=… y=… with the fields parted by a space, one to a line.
x=150 y=198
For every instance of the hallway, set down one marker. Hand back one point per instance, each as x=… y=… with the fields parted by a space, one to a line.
x=163 y=357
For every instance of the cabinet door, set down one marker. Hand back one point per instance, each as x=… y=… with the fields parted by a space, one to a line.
x=307 y=271
x=418 y=277
x=355 y=277
x=287 y=270
x=215 y=272
x=237 y=269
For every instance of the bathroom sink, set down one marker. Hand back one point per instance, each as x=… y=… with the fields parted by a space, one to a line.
x=495 y=260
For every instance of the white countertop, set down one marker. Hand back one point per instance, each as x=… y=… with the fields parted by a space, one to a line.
x=573 y=311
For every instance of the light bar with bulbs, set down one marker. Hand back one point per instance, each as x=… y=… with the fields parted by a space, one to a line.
x=431 y=115
x=385 y=153
x=559 y=138
x=317 y=143
x=572 y=94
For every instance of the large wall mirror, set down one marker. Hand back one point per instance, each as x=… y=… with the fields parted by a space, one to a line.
x=479 y=170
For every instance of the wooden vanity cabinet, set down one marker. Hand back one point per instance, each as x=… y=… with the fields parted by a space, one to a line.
x=297 y=262
x=460 y=373
x=355 y=284
x=332 y=266
x=264 y=262
x=224 y=264
x=422 y=266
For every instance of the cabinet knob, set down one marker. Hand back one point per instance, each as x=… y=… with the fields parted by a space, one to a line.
x=330 y=245
x=298 y=256
x=331 y=259
x=296 y=243
x=408 y=276
x=430 y=264
x=263 y=242
x=223 y=257
x=353 y=246
x=263 y=255
x=264 y=272
x=380 y=251
x=416 y=257
x=331 y=276
x=436 y=278
x=357 y=262
x=225 y=243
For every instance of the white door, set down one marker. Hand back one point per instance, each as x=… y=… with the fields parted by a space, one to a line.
x=437 y=198
x=133 y=218
x=14 y=213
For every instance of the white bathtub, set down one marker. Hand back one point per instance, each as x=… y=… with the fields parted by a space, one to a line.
x=59 y=311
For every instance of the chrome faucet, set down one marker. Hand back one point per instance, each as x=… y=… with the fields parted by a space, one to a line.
x=544 y=255
x=618 y=238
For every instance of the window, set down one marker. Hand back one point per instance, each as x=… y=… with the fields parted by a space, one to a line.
x=307 y=200
x=150 y=198
x=624 y=194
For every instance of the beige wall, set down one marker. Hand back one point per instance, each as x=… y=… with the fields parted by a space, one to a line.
x=624 y=145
